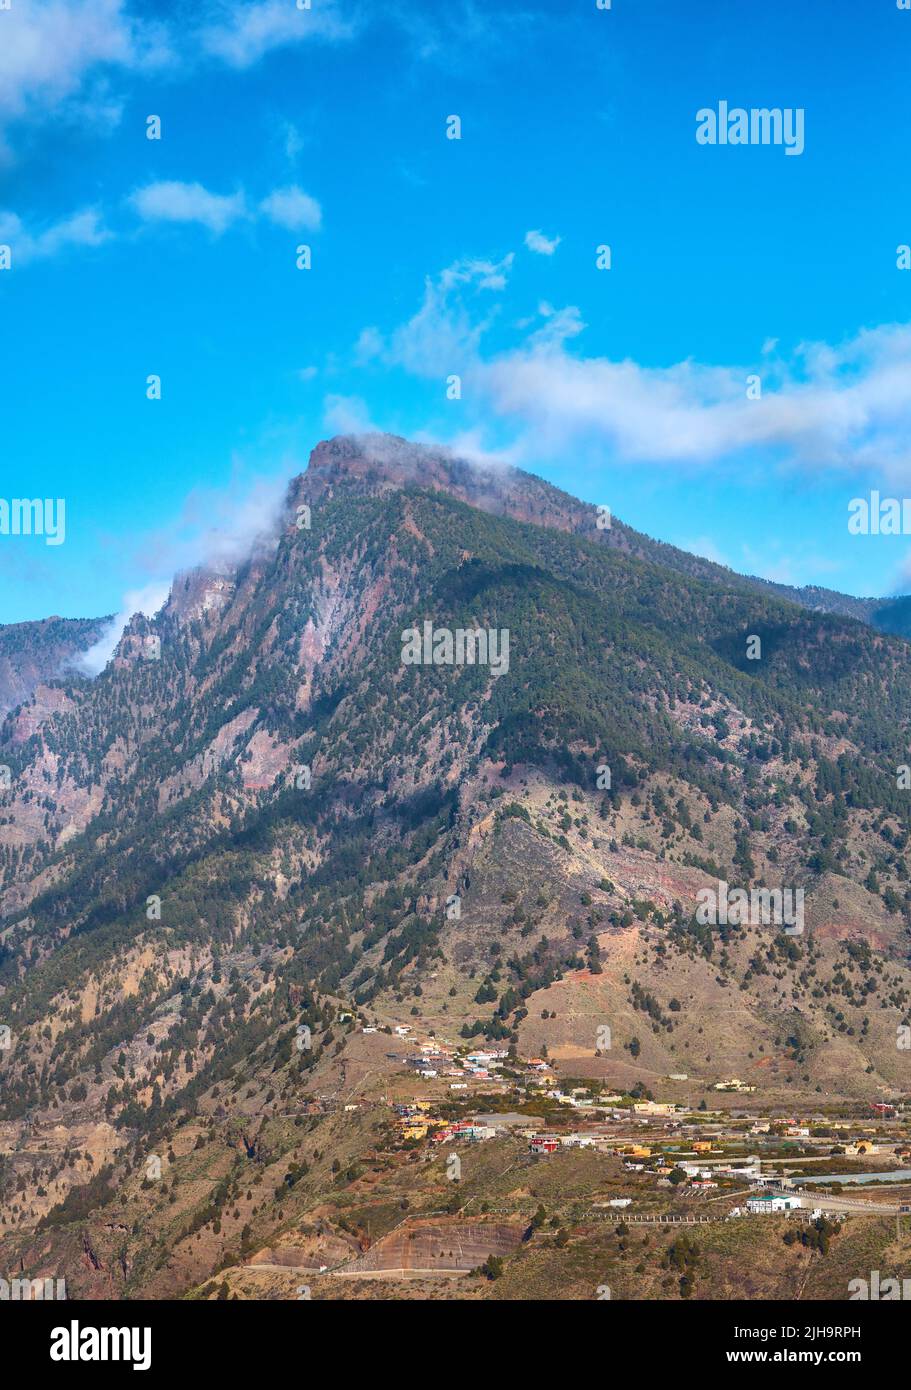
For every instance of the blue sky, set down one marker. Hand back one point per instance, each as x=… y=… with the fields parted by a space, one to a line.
x=433 y=257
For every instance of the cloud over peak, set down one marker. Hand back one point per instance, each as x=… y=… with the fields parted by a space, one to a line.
x=821 y=407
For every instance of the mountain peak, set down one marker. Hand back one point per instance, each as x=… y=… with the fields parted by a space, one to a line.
x=372 y=464
x=388 y=460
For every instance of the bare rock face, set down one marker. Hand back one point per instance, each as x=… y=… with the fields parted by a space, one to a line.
x=201 y=593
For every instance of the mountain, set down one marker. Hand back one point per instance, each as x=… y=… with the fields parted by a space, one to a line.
x=270 y=822
x=387 y=461
x=32 y=653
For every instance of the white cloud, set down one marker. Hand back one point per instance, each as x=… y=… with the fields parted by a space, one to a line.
x=559 y=324
x=293 y=142
x=542 y=245
x=146 y=600
x=240 y=34
x=470 y=444
x=220 y=526
x=347 y=415
x=171 y=201
x=292 y=208
x=62 y=56
x=369 y=346
x=824 y=407
x=52 y=51
x=455 y=34
x=485 y=275
x=844 y=406
x=216 y=528
x=83 y=228
x=443 y=336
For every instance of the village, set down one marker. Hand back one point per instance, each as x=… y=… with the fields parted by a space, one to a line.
x=847 y=1158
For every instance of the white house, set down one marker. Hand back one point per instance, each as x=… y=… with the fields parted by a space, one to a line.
x=751 y=1170
x=763 y=1206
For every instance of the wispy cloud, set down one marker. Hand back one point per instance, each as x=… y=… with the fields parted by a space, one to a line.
x=444 y=334
x=146 y=600
x=473 y=271
x=242 y=33
x=370 y=345
x=292 y=141
x=85 y=228
x=294 y=209
x=542 y=245
x=459 y=35
x=73 y=56
x=347 y=415
x=164 y=201
x=171 y=201
x=53 y=51
x=216 y=528
x=220 y=526
x=842 y=407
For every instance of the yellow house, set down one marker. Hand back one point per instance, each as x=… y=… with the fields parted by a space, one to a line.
x=638 y=1151
x=702 y=1146
x=414 y=1131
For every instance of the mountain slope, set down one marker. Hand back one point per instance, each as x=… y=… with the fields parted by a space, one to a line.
x=253 y=821
x=382 y=461
x=31 y=653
